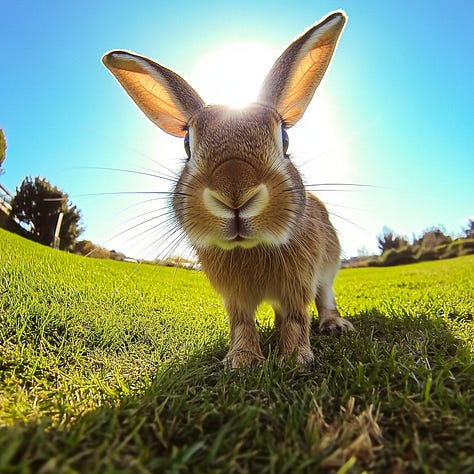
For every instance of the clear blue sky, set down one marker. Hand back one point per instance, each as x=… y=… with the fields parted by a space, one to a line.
x=399 y=97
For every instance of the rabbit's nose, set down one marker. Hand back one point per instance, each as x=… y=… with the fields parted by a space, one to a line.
x=248 y=204
x=255 y=202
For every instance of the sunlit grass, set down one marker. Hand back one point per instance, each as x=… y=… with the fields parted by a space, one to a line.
x=114 y=367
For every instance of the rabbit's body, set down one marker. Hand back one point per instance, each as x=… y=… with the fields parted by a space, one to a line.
x=241 y=201
x=289 y=277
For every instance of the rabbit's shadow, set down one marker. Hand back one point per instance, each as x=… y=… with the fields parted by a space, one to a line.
x=190 y=404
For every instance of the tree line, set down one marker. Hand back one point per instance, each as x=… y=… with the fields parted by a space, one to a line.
x=433 y=244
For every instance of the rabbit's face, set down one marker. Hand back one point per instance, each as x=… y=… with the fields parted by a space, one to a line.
x=238 y=187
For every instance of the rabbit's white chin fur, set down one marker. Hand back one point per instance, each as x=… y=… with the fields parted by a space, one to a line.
x=268 y=240
x=232 y=244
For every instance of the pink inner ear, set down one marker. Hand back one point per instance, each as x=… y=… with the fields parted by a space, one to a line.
x=293 y=79
x=155 y=101
x=163 y=96
x=303 y=83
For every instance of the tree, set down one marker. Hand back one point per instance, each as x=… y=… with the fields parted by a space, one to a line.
x=470 y=229
x=389 y=240
x=363 y=252
x=434 y=237
x=37 y=204
x=3 y=149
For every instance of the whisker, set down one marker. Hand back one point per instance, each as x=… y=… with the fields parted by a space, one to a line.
x=124 y=193
x=326 y=203
x=141 y=224
x=156 y=162
x=347 y=220
x=354 y=185
x=149 y=173
x=139 y=203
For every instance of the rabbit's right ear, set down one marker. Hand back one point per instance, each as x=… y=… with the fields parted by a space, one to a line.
x=164 y=97
x=290 y=84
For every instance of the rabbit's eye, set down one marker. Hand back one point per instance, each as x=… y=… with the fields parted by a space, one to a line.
x=187 y=149
x=285 y=140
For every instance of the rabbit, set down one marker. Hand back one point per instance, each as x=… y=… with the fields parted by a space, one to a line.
x=241 y=201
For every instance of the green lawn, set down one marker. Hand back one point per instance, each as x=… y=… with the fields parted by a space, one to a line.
x=115 y=367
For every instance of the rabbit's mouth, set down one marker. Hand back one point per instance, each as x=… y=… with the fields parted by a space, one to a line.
x=252 y=240
x=238 y=241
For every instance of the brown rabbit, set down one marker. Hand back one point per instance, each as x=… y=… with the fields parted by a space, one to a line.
x=241 y=201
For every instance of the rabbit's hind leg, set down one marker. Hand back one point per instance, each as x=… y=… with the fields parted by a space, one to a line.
x=329 y=318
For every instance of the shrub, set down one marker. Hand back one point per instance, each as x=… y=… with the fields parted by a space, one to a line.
x=399 y=256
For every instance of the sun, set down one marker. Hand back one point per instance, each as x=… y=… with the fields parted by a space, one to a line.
x=232 y=74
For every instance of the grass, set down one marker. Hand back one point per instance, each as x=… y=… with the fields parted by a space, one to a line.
x=113 y=367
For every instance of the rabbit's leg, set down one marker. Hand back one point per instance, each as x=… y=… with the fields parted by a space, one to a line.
x=294 y=336
x=244 y=340
x=279 y=316
x=329 y=318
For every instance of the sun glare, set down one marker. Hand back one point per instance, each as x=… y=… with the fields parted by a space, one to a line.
x=232 y=74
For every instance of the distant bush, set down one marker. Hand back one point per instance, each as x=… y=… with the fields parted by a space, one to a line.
x=457 y=248
x=425 y=254
x=419 y=253
x=390 y=241
x=432 y=238
x=88 y=249
x=400 y=256
x=176 y=261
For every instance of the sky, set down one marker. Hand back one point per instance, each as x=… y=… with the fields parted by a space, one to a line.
x=395 y=111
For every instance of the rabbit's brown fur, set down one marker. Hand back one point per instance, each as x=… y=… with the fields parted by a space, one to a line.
x=240 y=200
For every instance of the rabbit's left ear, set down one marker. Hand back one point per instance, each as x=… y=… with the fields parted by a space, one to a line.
x=290 y=84
x=163 y=96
